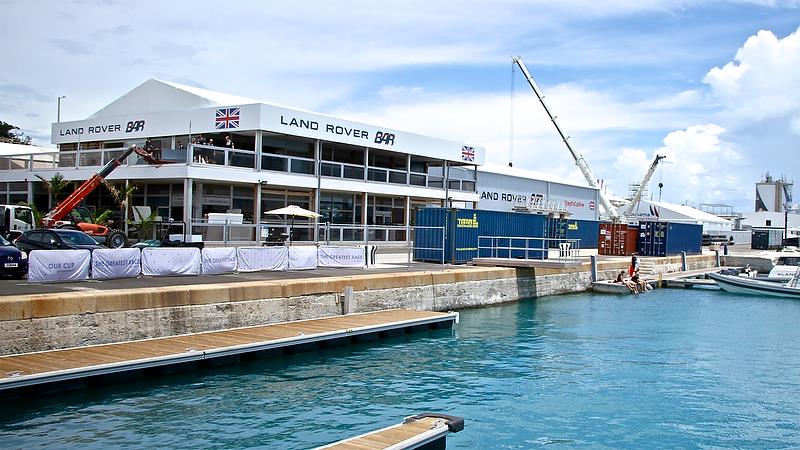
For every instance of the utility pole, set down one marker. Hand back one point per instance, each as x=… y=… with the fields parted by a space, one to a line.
x=58 y=117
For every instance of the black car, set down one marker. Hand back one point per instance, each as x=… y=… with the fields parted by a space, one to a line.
x=13 y=262
x=55 y=239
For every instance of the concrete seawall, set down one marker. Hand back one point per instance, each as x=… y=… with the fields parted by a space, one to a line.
x=51 y=321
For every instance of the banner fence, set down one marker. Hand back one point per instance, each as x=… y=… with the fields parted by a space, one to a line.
x=46 y=266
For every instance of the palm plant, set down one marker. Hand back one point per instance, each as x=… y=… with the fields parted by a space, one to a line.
x=54 y=186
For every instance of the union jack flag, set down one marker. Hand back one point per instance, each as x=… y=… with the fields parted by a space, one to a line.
x=468 y=153
x=227 y=118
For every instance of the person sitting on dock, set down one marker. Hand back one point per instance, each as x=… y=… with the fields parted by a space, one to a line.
x=641 y=285
x=621 y=280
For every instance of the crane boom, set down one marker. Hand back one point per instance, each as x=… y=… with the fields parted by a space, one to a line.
x=68 y=204
x=638 y=195
x=579 y=161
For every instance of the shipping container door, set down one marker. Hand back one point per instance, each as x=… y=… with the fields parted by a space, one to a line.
x=429 y=234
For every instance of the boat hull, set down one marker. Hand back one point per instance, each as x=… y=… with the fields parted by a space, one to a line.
x=749 y=286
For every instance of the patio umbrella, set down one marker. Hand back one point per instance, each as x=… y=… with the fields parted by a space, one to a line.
x=293 y=211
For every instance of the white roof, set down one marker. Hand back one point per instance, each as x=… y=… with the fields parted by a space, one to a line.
x=688 y=211
x=7 y=149
x=529 y=175
x=157 y=95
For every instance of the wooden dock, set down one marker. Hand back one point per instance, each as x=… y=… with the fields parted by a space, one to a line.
x=76 y=364
x=423 y=431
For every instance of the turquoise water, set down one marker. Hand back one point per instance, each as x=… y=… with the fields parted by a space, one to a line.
x=667 y=369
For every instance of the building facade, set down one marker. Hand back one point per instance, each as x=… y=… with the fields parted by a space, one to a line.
x=231 y=155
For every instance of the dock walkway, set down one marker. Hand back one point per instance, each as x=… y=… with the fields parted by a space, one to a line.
x=55 y=366
x=423 y=431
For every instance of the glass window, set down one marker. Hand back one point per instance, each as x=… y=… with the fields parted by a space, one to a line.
x=156 y=189
x=355 y=173
x=462 y=173
x=397 y=177
x=348 y=154
x=330 y=170
x=419 y=165
x=386 y=211
x=274 y=163
x=340 y=208
x=418 y=180
x=387 y=160
x=23 y=215
x=211 y=189
x=279 y=145
x=301 y=166
x=376 y=175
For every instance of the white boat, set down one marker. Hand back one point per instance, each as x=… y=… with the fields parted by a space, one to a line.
x=753 y=286
x=786 y=266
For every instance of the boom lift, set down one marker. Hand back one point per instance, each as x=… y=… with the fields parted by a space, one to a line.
x=638 y=195
x=113 y=238
x=587 y=173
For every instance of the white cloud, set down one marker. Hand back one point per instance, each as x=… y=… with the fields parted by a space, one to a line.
x=762 y=80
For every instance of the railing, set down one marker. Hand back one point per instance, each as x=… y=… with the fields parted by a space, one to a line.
x=526 y=247
x=292 y=164
x=222 y=156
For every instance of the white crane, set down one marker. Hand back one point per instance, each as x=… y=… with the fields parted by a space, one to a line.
x=610 y=209
x=638 y=195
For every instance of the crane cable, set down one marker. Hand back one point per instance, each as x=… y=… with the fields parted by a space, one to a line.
x=511 y=122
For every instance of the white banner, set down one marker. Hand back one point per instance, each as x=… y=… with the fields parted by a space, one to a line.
x=171 y=261
x=219 y=260
x=58 y=265
x=329 y=256
x=302 y=257
x=116 y=263
x=252 y=259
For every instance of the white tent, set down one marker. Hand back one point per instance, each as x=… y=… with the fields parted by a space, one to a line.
x=670 y=212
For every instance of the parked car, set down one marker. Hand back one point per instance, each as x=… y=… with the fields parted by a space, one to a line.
x=13 y=261
x=55 y=239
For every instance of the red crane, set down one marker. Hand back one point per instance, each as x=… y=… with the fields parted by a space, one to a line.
x=66 y=206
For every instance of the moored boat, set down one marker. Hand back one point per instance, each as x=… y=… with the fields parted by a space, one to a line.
x=752 y=286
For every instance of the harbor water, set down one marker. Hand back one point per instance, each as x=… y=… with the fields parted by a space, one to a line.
x=665 y=369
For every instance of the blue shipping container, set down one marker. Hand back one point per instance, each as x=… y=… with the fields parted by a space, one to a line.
x=669 y=238
x=585 y=230
x=463 y=227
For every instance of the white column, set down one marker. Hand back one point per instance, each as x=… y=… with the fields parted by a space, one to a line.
x=318 y=167
x=257 y=151
x=187 y=204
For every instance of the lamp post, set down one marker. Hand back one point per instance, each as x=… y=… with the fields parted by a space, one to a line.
x=58 y=118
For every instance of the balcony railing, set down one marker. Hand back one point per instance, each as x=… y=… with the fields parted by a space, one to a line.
x=207 y=155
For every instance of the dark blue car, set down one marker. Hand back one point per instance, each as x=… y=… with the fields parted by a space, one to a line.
x=13 y=261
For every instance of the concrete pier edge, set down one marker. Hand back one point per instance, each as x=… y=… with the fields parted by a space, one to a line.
x=49 y=321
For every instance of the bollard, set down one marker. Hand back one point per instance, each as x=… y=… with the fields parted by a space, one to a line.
x=683 y=261
x=593 y=259
x=347 y=300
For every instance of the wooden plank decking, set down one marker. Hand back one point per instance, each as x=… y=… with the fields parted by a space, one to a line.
x=74 y=363
x=414 y=432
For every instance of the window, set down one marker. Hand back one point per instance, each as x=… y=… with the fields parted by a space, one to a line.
x=387 y=160
x=23 y=215
x=279 y=145
x=340 y=208
x=769 y=223
x=342 y=153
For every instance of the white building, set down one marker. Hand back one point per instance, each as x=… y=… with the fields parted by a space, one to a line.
x=501 y=188
x=648 y=210
x=365 y=180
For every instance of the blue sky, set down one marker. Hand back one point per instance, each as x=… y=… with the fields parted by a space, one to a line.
x=697 y=80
